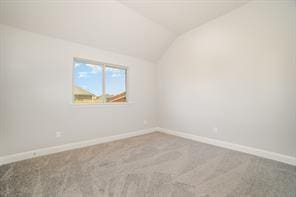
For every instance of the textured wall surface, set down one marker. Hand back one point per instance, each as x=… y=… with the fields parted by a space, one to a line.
x=36 y=76
x=233 y=79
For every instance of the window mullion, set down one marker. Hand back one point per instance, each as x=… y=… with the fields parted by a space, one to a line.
x=104 y=83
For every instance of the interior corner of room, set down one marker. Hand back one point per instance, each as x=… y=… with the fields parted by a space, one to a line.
x=121 y=87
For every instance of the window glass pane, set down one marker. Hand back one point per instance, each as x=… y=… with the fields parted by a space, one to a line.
x=88 y=87
x=115 y=84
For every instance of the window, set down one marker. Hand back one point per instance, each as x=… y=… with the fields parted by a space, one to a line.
x=96 y=82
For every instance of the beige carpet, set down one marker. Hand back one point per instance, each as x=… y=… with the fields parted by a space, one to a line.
x=152 y=165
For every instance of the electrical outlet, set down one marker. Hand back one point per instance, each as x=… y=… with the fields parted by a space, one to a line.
x=215 y=130
x=145 y=122
x=58 y=134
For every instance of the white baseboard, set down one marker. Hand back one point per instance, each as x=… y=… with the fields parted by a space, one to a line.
x=254 y=151
x=55 y=149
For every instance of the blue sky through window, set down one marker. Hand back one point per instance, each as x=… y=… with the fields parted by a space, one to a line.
x=115 y=80
x=89 y=77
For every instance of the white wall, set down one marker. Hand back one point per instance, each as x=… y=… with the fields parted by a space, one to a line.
x=235 y=73
x=36 y=87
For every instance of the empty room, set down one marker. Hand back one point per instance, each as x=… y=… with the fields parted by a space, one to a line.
x=148 y=98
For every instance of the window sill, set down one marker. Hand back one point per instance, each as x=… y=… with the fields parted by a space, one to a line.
x=89 y=105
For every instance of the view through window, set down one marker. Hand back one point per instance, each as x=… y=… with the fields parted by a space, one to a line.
x=98 y=82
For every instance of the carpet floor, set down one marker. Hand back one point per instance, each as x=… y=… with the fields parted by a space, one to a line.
x=152 y=165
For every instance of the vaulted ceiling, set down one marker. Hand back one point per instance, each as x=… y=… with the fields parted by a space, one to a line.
x=143 y=28
x=180 y=16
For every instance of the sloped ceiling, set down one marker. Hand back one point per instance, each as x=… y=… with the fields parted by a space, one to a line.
x=182 y=15
x=142 y=29
x=106 y=25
